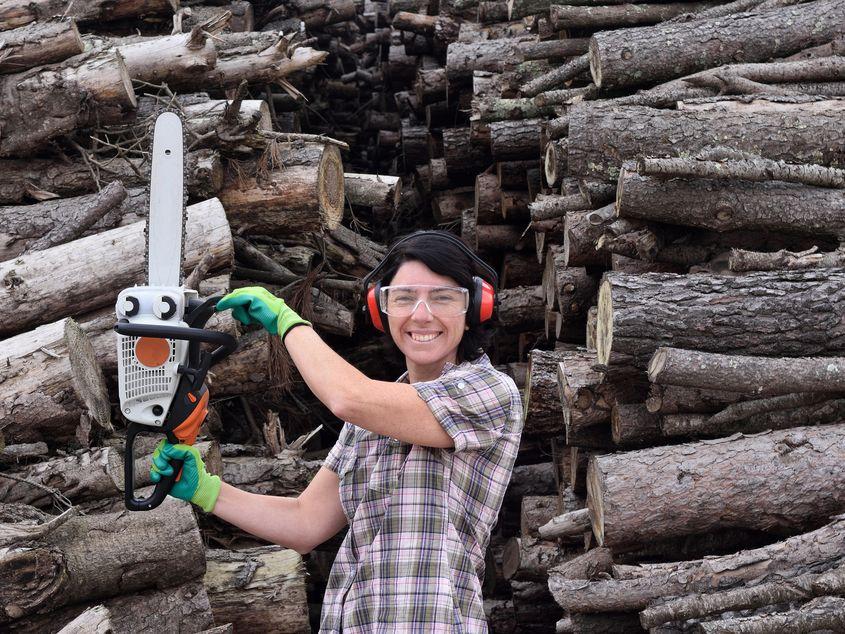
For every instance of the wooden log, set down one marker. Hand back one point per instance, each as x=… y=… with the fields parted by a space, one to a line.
x=634 y=587
x=579 y=241
x=787 y=498
x=448 y=205
x=30 y=292
x=40 y=43
x=604 y=18
x=241 y=19
x=543 y=413
x=529 y=559
x=554 y=165
x=630 y=57
x=726 y=205
x=594 y=129
x=498 y=109
x=414 y=144
x=306 y=193
x=464 y=158
x=45 y=179
x=758 y=375
x=258 y=588
x=13 y=15
x=557 y=50
x=184 y=607
x=463 y=58
x=513 y=174
x=672 y=399
x=621 y=326
x=515 y=140
x=557 y=77
x=824 y=613
x=632 y=425
x=372 y=190
x=94 y=89
x=549 y=206
x=74 y=558
x=521 y=307
x=42 y=225
x=431 y=85
x=90 y=474
x=488 y=199
x=519 y=269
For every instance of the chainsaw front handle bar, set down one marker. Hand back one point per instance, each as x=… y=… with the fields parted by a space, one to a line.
x=226 y=343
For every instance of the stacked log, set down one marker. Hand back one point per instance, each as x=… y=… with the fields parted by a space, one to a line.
x=665 y=220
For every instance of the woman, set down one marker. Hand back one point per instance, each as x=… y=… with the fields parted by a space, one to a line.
x=421 y=465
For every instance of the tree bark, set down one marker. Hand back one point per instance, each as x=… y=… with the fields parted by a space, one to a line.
x=557 y=50
x=372 y=190
x=73 y=563
x=521 y=307
x=464 y=158
x=33 y=295
x=601 y=139
x=463 y=58
x=632 y=425
x=93 y=89
x=759 y=375
x=604 y=18
x=13 y=15
x=640 y=56
x=579 y=241
x=730 y=205
x=260 y=589
x=786 y=465
x=304 y=193
x=639 y=313
x=515 y=140
x=822 y=614
x=40 y=43
x=557 y=77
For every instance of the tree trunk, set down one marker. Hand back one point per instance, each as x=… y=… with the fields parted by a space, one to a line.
x=785 y=465
x=640 y=56
x=305 y=193
x=601 y=139
x=93 y=89
x=73 y=563
x=759 y=375
x=13 y=14
x=40 y=43
x=260 y=589
x=730 y=205
x=640 y=313
x=33 y=295
x=635 y=587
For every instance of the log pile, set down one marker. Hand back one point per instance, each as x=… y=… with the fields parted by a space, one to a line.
x=665 y=218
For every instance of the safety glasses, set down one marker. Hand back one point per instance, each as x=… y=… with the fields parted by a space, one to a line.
x=441 y=301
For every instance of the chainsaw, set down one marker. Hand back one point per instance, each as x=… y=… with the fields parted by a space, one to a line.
x=162 y=364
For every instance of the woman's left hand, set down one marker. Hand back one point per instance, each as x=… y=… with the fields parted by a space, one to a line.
x=255 y=304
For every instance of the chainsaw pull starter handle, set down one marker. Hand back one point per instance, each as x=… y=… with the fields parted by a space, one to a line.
x=162 y=487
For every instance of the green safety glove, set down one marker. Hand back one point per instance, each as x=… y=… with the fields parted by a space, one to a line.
x=195 y=485
x=255 y=304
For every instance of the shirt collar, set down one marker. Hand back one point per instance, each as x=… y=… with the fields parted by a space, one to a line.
x=448 y=367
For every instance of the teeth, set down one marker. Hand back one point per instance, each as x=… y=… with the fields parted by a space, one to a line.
x=423 y=338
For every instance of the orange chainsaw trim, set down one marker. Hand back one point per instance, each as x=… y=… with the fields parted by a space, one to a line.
x=190 y=427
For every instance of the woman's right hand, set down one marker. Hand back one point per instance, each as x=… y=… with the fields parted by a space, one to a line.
x=195 y=484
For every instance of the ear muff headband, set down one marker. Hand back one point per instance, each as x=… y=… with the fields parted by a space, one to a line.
x=484 y=295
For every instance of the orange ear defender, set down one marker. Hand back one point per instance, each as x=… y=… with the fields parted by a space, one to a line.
x=483 y=294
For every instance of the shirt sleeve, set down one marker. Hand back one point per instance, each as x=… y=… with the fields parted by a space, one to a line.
x=474 y=408
x=336 y=454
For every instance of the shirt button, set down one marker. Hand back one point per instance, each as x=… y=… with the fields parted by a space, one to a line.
x=461 y=385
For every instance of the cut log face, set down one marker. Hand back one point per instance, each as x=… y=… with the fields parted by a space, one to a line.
x=785 y=464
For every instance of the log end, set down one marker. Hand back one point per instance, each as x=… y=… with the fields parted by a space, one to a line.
x=330 y=190
x=510 y=557
x=604 y=323
x=550 y=170
x=595 y=499
x=656 y=365
x=595 y=61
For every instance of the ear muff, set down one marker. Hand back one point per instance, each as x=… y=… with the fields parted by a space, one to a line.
x=377 y=317
x=483 y=302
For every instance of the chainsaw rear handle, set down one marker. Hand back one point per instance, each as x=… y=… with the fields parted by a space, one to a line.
x=227 y=344
x=162 y=487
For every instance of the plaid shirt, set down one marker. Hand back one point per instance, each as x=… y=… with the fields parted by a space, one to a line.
x=420 y=517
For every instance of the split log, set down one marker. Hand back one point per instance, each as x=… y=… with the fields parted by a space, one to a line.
x=639 y=313
x=258 y=588
x=94 y=89
x=634 y=587
x=639 y=56
x=786 y=465
x=31 y=296
x=603 y=18
x=40 y=43
x=726 y=205
x=758 y=375
x=303 y=193
x=13 y=15
x=72 y=563
x=634 y=130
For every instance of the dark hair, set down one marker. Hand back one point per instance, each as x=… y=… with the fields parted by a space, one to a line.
x=444 y=258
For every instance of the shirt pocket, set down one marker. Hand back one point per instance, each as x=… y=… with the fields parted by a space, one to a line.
x=389 y=466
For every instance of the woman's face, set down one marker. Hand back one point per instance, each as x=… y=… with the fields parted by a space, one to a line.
x=426 y=341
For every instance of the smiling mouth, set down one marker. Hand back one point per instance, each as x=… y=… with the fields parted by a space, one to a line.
x=423 y=338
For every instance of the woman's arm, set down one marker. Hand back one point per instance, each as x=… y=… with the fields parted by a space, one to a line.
x=383 y=407
x=298 y=523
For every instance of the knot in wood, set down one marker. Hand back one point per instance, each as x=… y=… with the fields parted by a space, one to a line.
x=627 y=54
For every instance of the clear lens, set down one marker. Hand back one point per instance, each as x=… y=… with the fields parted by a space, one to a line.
x=441 y=301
